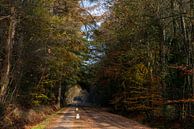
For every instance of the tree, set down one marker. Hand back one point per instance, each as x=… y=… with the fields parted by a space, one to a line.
x=155 y=35
x=47 y=51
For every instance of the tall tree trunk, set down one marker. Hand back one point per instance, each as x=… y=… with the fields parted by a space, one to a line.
x=59 y=96
x=6 y=69
x=185 y=92
x=59 y=92
x=192 y=48
x=173 y=18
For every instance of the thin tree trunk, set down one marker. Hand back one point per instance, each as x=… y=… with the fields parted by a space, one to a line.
x=17 y=68
x=186 y=48
x=59 y=94
x=192 y=48
x=5 y=73
x=173 y=18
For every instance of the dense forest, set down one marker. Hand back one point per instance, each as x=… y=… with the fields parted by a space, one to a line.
x=139 y=60
x=41 y=51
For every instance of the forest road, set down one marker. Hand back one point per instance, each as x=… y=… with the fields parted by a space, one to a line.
x=91 y=118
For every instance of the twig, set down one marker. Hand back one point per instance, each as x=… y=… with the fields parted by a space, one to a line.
x=4 y=17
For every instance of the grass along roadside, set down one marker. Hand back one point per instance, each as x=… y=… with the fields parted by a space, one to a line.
x=46 y=122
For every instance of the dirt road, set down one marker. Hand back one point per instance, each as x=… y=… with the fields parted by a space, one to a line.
x=91 y=118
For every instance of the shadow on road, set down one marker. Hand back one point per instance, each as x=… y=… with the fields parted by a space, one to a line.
x=93 y=118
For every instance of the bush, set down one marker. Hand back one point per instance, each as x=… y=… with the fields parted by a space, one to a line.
x=169 y=112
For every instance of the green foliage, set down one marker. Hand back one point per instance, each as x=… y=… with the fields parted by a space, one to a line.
x=39 y=99
x=170 y=112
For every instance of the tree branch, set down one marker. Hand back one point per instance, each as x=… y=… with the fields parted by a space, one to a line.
x=4 y=17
